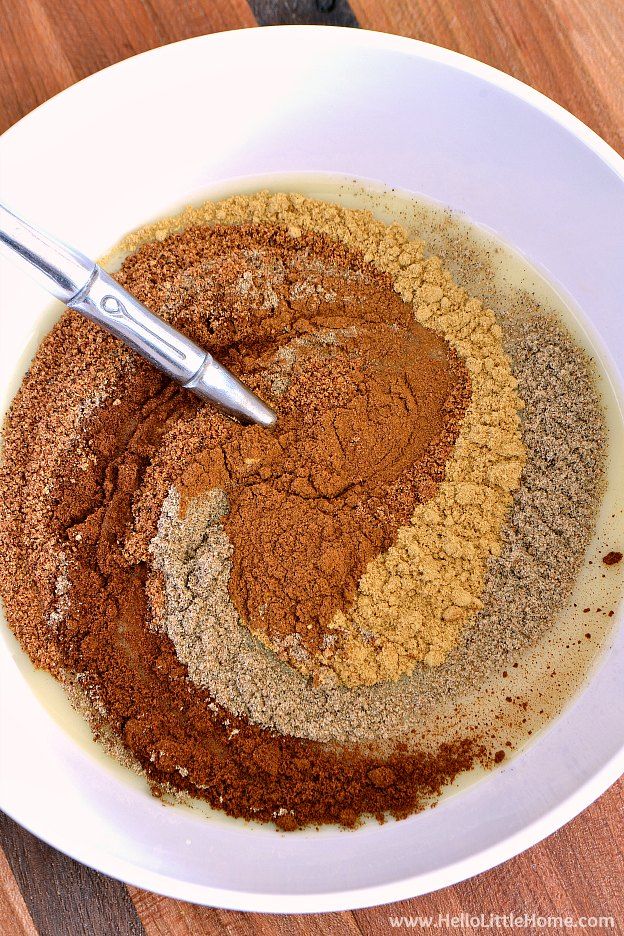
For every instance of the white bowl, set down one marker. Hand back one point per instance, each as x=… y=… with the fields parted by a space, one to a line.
x=154 y=132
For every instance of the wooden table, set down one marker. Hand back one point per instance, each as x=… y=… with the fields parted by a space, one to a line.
x=572 y=51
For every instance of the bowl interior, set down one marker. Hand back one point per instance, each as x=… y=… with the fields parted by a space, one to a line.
x=165 y=129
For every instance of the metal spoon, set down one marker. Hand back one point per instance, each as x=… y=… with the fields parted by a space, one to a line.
x=82 y=285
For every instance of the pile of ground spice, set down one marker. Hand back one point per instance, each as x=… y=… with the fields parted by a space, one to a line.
x=526 y=585
x=365 y=426
x=369 y=406
x=117 y=565
x=367 y=419
x=416 y=597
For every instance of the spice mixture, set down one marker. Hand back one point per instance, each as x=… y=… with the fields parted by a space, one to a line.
x=260 y=619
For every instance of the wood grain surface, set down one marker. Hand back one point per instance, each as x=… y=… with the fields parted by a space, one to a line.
x=572 y=50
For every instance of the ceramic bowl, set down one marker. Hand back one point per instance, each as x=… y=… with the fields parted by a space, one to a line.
x=150 y=134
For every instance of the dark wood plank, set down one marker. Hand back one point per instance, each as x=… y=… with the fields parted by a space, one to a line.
x=303 y=12
x=63 y=897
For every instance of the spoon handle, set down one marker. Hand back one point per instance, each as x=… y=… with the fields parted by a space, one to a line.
x=60 y=269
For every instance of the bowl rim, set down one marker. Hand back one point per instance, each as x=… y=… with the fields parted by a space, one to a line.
x=554 y=818
x=392 y=42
